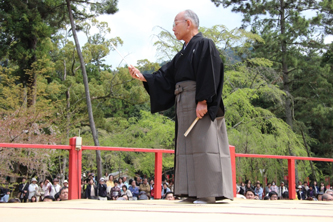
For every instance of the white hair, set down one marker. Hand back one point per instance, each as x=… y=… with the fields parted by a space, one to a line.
x=190 y=15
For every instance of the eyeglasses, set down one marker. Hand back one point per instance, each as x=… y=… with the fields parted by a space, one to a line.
x=174 y=23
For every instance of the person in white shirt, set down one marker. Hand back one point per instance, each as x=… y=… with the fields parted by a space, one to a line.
x=47 y=188
x=56 y=186
x=33 y=187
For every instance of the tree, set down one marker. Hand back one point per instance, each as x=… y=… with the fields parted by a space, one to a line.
x=108 y=7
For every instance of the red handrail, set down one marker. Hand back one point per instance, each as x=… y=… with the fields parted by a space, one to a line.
x=75 y=164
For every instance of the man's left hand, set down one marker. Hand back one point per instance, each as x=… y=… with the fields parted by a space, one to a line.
x=201 y=109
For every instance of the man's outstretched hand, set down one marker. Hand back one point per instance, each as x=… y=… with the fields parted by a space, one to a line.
x=136 y=74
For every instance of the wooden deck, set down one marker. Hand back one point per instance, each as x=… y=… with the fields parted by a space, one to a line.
x=163 y=210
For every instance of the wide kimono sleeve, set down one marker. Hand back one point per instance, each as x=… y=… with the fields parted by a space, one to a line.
x=209 y=77
x=161 y=86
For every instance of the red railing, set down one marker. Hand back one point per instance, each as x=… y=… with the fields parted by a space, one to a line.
x=75 y=163
x=291 y=167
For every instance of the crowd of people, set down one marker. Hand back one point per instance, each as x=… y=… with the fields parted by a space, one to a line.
x=35 y=192
x=107 y=188
x=273 y=192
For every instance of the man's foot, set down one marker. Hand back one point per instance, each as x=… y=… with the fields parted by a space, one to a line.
x=207 y=200
x=188 y=200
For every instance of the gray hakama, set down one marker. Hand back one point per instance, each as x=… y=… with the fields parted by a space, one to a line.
x=202 y=159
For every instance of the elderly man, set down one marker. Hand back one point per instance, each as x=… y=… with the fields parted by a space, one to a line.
x=193 y=81
x=327 y=197
x=145 y=186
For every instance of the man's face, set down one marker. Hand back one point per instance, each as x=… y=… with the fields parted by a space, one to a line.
x=133 y=184
x=282 y=184
x=169 y=197
x=23 y=180
x=180 y=27
x=124 y=179
x=47 y=200
x=274 y=197
x=64 y=194
x=145 y=181
x=249 y=195
x=91 y=181
x=152 y=182
x=101 y=181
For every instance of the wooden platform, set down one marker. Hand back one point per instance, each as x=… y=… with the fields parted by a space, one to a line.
x=163 y=210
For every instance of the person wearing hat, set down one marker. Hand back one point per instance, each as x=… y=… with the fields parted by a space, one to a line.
x=101 y=190
x=65 y=183
x=33 y=188
x=56 y=187
x=282 y=191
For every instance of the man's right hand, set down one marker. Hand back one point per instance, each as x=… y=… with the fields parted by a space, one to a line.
x=136 y=74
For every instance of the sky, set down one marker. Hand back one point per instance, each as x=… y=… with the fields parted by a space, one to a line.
x=136 y=23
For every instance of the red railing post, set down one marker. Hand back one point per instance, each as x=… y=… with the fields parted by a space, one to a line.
x=158 y=175
x=291 y=179
x=74 y=174
x=233 y=168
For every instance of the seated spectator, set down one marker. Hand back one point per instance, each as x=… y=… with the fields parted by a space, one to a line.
x=267 y=197
x=258 y=191
x=300 y=193
x=250 y=195
x=101 y=190
x=91 y=190
x=115 y=191
x=143 y=196
x=322 y=188
x=123 y=197
x=274 y=187
x=144 y=186
x=63 y=194
x=138 y=181
x=169 y=196
x=4 y=194
x=134 y=190
x=65 y=183
x=125 y=191
x=33 y=188
x=15 y=200
x=311 y=192
x=315 y=187
x=57 y=197
x=327 y=197
x=242 y=189
x=171 y=186
x=165 y=190
x=24 y=190
x=273 y=195
x=48 y=198
x=268 y=189
x=248 y=185
x=47 y=188
x=151 y=183
x=328 y=191
x=40 y=192
x=33 y=199
x=109 y=184
x=283 y=191
x=121 y=184
x=125 y=182
x=152 y=193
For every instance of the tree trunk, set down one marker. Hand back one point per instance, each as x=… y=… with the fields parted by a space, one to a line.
x=286 y=86
x=86 y=86
x=308 y=152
